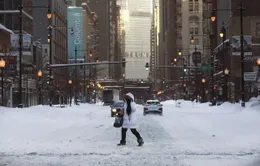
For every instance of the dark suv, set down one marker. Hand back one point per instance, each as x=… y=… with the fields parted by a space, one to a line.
x=117 y=107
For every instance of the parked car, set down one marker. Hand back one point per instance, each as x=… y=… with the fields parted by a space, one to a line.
x=153 y=106
x=116 y=108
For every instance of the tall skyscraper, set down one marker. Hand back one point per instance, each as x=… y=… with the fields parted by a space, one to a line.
x=137 y=16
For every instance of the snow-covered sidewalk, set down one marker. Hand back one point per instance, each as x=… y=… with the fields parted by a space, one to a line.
x=192 y=135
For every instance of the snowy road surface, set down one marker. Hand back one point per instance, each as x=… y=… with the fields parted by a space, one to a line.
x=193 y=135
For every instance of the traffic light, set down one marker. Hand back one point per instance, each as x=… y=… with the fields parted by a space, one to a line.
x=163 y=81
x=90 y=53
x=97 y=59
x=123 y=64
x=216 y=64
x=49 y=38
x=184 y=85
x=48 y=66
x=185 y=68
x=215 y=87
x=146 y=66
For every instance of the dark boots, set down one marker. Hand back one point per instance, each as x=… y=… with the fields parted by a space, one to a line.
x=140 y=141
x=135 y=132
x=121 y=143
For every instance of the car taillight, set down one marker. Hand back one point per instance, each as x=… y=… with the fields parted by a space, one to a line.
x=159 y=105
x=147 y=104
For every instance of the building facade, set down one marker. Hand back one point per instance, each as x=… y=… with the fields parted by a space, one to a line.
x=138 y=17
x=59 y=42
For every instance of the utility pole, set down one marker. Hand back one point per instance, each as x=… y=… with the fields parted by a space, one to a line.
x=84 y=85
x=212 y=70
x=50 y=70
x=76 y=77
x=20 y=53
x=242 y=56
x=196 y=64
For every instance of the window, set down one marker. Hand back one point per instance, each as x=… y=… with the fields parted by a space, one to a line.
x=196 y=7
x=196 y=30
x=191 y=30
x=190 y=7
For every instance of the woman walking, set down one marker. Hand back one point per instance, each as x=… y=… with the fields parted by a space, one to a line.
x=129 y=120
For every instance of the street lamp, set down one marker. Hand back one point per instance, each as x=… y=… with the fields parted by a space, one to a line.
x=2 y=66
x=221 y=34
x=192 y=40
x=258 y=63
x=226 y=72
x=196 y=64
x=175 y=59
x=203 y=89
x=39 y=74
x=180 y=53
x=70 y=83
x=49 y=15
x=213 y=16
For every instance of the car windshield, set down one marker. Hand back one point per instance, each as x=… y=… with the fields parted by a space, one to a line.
x=153 y=102
x=119 y=104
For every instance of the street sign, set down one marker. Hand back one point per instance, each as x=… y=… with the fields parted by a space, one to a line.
x=250 y=76
x=205 y=68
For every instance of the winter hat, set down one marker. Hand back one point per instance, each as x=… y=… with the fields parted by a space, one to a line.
x=130 y=95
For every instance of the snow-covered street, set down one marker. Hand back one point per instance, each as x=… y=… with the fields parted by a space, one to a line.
x=189 y=135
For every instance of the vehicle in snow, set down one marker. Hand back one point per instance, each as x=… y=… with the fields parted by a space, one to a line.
x=109 y=96
x=116 y=108
x=153 y=106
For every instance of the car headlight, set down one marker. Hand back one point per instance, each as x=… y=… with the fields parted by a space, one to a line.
x=113 y=110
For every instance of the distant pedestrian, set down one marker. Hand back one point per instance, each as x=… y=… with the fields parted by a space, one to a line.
x=129 y=120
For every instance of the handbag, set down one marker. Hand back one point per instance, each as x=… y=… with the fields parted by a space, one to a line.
x=118 y=122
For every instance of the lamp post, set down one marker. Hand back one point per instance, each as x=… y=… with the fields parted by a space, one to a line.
x=203 y=89
x=192 y=40
x=2 y=66
x=50 y=62
x=39 y=74
x=213 y=19
x=222 y=34
x=49 y=15
x=76 y=76
x=70 y=86
x=226 y=72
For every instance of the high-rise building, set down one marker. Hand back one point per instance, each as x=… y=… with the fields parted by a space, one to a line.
x=166 y=43
x=138 y=18
x=104 y=50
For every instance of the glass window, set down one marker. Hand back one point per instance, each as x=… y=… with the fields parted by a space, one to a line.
x=153 y=102
x=196 y=7
x=196 y=30
x=190 y=7
x=191 y=30
x=119 y=104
